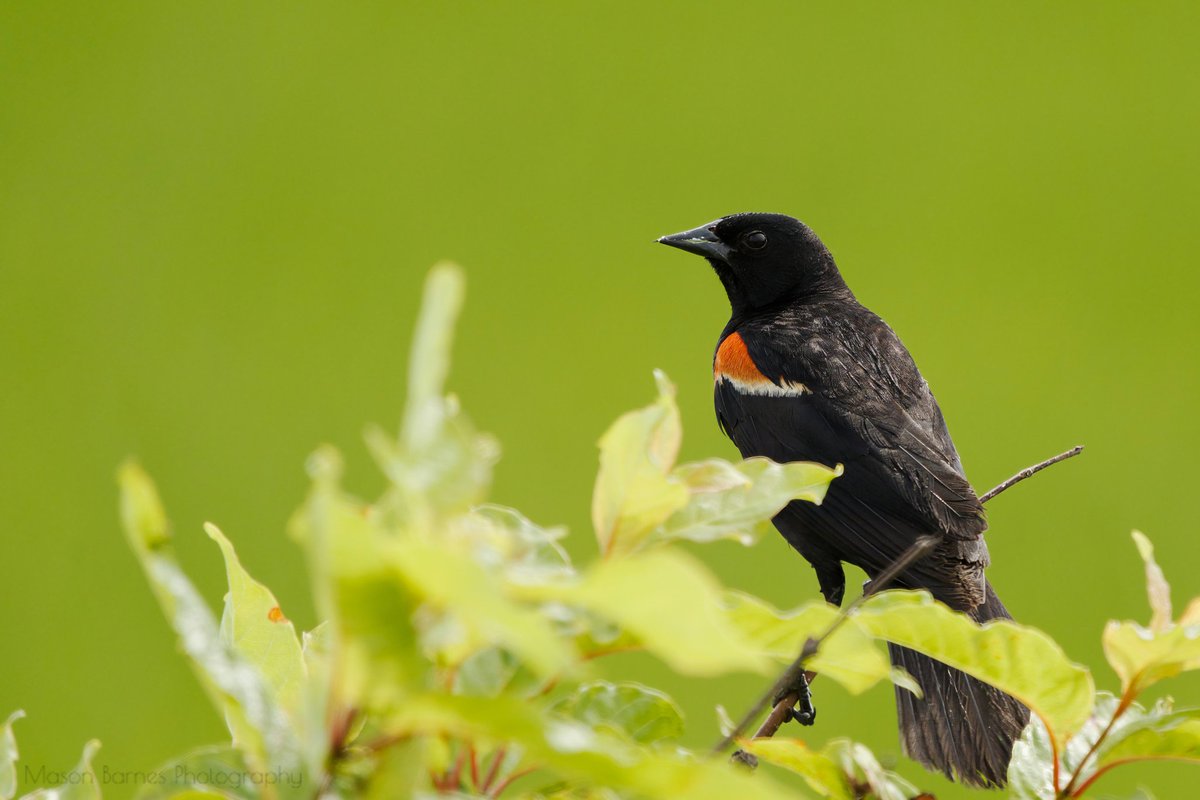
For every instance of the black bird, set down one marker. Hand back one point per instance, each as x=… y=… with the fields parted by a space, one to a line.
x=803 y=372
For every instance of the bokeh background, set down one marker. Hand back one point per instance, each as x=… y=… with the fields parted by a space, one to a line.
x=215 y=219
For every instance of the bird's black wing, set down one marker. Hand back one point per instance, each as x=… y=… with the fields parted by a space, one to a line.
x=864 y=381
x=867 y=407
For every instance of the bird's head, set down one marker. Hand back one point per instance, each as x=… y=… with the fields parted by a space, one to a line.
x=763 y=260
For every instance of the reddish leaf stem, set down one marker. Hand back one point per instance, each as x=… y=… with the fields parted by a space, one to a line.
x=497 y=759
x=454 y=776
x=1122 y=707
x=505 y=783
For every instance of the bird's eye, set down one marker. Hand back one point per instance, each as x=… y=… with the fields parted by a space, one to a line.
x=755 y=240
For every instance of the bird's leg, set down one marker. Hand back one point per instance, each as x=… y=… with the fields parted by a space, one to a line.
x=803 y=710
x=832 y=580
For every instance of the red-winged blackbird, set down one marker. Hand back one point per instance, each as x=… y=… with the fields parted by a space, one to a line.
x=803 y=372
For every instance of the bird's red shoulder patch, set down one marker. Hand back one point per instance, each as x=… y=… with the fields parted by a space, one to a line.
x=733 y=361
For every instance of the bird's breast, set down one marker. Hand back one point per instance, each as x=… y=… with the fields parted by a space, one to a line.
x=733 y=363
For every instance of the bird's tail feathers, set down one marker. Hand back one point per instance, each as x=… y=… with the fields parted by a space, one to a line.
x=963 y=727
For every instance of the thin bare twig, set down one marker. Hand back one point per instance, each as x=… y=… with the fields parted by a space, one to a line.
x=782 y=711
x=791 y=676
x=1028 y=471
x=915 y=552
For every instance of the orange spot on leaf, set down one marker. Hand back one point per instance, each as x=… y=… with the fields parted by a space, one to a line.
x=276 y=615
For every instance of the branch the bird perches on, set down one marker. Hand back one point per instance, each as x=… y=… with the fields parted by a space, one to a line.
x=782 y=710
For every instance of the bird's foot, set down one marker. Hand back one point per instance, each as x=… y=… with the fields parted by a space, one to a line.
x=803 y=711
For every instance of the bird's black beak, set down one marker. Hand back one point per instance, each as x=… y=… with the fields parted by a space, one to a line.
x=701 y=241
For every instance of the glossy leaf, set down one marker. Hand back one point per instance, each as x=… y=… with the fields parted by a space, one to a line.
x=429 y=360
x=397 y=770
x=1144 y=656
x=579 y=753
x=736 y=501
x=254 y=624
x=1137 y=734
x=865 y=771
x=668 y=603
x=314 y=708
x=520 y=548
x=1158 y=591
x=819 y=771
x=641 y=714
x=849 y=656
x=440 y=463
x=8 y=757
x=218 y=772
x=84 y=785
x=369 y=610
x=573 y=793
x=457 y=583
x=1031 y=768
x=1022 y=661
x=258 y=725
x=486 y=672
x=1174 y=737
x=635 y=491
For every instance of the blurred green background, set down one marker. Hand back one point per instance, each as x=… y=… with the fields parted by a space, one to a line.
x=215 y=219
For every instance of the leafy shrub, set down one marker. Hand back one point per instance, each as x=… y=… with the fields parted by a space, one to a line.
x=459 y=652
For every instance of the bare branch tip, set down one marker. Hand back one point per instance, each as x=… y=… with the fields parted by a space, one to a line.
x=1030 y=471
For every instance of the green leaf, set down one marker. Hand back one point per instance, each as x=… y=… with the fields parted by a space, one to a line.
x=398 y=770
x=314 y=709
x=213 y=772
x=1157 y=589
x=373 y=650
x=595 y=636
x=524 y=551
x=641 y=714
x=865 y=771
x=1174 y=737
x=456 y=583
x=254 y=624
x=669 y=778
x=819 y=771
x=635 y=491
x=579 y=753
x=849 y=656
x=639 y=496
x=440 y=463
x=429 y=361
x=725 y=723
x=83 y=785
x=1143 y=656
x=1031 y=768
x=1022 y=661
x=377 y=659
x=254 y=718
x=8 y=757
x=1137 y=734
x=486 y=672
x=733 y=501
x=450 y=473
x=573 y=793
x=670 y=604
